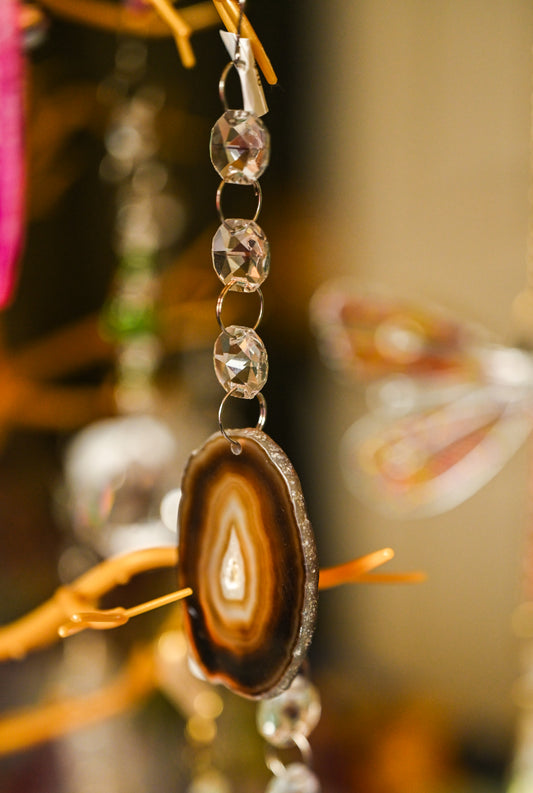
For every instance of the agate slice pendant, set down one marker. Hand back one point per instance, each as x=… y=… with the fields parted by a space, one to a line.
x=247 y=550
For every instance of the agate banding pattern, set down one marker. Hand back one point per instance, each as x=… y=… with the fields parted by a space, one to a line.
x=248 y=552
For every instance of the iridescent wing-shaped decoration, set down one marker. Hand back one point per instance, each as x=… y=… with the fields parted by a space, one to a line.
x=372 y=335
x=447 y=409
x=429 y=461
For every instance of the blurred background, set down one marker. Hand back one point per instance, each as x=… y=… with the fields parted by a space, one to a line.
x=400 y=157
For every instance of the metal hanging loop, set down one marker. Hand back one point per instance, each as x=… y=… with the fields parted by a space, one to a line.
x=273 y=762
x=237 y=63
x=258 y=194
x=236 y=447
x=301 y=741
x=279 y=768
x=220 y=303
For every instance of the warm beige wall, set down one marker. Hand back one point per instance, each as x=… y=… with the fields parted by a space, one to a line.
x=420 y=119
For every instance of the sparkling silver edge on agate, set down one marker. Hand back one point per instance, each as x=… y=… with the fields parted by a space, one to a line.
x=310 y=601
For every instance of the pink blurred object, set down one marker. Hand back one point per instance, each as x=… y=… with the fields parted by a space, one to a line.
x=11 y=147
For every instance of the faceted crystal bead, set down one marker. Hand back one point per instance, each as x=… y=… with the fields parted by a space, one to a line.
x=297 y=778
x=241 y=253
x=239 y=147
x=294 y=712
x=241 y=361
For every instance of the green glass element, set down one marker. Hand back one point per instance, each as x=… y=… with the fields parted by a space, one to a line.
x=121 y=321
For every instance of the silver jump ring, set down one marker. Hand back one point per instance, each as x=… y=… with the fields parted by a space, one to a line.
x=258 y=194
x=236 y=447
x=220 y=303
x=277 y=766
x=304 y=746
x=273 y=763
x=237 y=62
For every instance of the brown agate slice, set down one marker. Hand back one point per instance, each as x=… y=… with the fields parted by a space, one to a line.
x=248 y=552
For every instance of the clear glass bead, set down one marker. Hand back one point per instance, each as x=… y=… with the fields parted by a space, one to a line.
x=241 y=253
x=239 y=147
x=297 y=778
x=241 y=361
x=293 y=712
x=116 y=472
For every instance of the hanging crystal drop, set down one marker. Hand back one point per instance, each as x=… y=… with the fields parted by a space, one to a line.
x=241 y=361
x=241 y=254
x=295 y=711
x=239 y=147
x=297 y=778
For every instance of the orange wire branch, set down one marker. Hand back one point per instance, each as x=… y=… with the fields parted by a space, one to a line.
x=358 y=571
x=164 y=20
x=112 y=618
x=120 y=19
x=414 y=577
x=41 y=627
x=69 y=611
x=63 y=351
x=229 y=13
x=33 y=725
x=181 y=30
x=26 y=402
x=74 y=607
x=160 y=664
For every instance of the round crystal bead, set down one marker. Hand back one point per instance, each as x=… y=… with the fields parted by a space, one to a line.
x=239 y=147
x=241 y=254
x=295 y=711
x=297 y=778
x=241 y=361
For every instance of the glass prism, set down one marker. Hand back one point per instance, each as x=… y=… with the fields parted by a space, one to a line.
x=294 y=712
x=241 y=361
x=241 y=254
x=239 y=147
